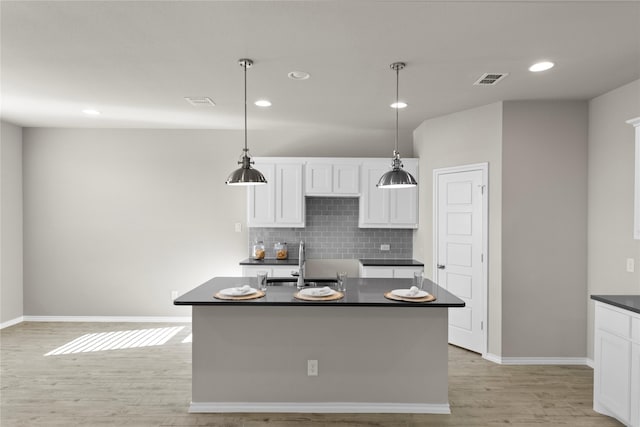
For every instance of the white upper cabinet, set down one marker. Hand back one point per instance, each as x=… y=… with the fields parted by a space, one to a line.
x=262 y=199
x=289 y=195
x=332 y=177
x=387 y=208
x=280 y=202
x=636 y=216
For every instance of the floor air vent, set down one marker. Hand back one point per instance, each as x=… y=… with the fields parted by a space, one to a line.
x=490 y=79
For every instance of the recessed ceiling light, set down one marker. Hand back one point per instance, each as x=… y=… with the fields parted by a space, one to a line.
x=399 y=104
x=91 y=112
x=299 y=75
x=541 y=66
x=263 y=103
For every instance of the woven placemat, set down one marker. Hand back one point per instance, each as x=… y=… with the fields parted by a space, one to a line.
x=256 y=295
x=391 y=296
x=332 y=297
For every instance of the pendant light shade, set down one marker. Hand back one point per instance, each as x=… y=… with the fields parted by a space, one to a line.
x=245 y=174
x=397 y=177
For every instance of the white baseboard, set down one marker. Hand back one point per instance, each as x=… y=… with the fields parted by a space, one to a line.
x=11 y=322
x=590 y=363
x=113 y=319
x=321 y=407
x=492 y=358
x=537 y=360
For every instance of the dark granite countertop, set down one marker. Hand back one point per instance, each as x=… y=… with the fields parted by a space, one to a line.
x=390 y=263
x=628 y=302
x=361 y=292
x=269 y=261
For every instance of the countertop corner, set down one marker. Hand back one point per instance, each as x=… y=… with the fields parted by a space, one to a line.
x=627 y=302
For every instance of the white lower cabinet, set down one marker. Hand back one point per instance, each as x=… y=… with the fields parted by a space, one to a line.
x=635 y=382
x=616 y=375
x=272 y=270
x=388 y=272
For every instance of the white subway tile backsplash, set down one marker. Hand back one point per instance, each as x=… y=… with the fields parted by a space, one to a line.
x=332 y=232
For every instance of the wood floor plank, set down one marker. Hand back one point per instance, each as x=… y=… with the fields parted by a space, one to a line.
x=151 y=386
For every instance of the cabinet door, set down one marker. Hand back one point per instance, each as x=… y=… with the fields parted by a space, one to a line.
x=377 y=272
x=289 y=197
x=405 y=272
x=612 y=373
x=346 y=179
x=374 y=201
x=282 y=271
x=261 y=203
x=252 y=270
x=319 y=178
x=403 y=202
x=635 y=385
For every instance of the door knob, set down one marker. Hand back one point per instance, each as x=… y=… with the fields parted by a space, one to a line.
x=440 y=267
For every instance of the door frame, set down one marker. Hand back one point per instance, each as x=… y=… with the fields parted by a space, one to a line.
x=484 y=168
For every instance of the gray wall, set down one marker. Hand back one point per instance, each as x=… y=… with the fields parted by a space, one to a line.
x=466 y=137
x=11 y=306
x=536 y=153
x=116 y=219
x=611 y=174
x=544 y=228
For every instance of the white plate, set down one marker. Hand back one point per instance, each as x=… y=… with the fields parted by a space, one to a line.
x=406 y=293
x=317 y=292
x=238 y=291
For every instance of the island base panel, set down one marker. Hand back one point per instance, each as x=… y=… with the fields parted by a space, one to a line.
x=368 y=357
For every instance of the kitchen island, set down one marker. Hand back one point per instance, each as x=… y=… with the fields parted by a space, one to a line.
x=373 y=354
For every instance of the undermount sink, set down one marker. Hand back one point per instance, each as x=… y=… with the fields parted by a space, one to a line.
x=292 y=281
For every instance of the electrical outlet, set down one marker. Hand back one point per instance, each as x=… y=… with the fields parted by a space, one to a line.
x=312 y=368
x=238 y=226
x=630 y=265
x=385 y=247
x=174 y=295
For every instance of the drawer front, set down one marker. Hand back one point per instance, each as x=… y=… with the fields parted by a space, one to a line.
x=406 y=272
x=613 y=321
x=377 y=272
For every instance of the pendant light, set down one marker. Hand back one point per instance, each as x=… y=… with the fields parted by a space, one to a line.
x=245 y=175
x=397 y=177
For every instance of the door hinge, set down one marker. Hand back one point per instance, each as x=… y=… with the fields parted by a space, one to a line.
x=482 y=325
x=481 y=257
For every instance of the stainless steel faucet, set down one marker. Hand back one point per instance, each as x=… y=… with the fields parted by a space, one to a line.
x=301 y=262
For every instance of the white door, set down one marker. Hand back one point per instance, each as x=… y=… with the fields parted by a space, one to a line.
x=459 y=252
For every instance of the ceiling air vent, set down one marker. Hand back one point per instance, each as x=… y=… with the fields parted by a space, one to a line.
x=200 y=101
x=490 y=79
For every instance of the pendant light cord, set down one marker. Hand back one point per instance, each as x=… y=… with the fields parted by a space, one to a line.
x=397 y=91
x=245 y=108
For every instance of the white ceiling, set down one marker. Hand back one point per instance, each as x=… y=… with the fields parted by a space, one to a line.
x=135 y=61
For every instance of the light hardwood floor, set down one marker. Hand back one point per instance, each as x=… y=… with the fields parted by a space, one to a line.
x=151 y=386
